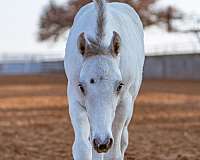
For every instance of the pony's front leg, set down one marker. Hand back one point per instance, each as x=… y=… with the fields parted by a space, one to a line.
x=122 y=117
x=81 y=149
x=124 y=137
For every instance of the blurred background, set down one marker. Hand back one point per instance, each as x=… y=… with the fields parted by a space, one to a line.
x=34 y=120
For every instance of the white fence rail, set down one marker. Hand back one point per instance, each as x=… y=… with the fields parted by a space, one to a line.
x=27 y=58
x=156 y=67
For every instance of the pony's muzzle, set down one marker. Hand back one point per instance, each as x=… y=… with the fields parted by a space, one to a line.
x=102 y=146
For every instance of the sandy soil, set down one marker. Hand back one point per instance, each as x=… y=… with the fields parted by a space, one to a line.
x=34 y=122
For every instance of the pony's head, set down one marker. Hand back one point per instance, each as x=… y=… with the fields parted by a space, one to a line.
x=100 y=84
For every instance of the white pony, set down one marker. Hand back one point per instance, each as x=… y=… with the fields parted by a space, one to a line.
x=104 y=64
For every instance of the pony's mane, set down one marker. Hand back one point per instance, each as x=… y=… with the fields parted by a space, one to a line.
x=100 y=32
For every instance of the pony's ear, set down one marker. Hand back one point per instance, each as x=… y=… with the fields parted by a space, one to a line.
x=115 y=44
x=82 y=43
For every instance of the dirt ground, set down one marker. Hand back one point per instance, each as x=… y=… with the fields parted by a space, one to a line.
x=35 y=125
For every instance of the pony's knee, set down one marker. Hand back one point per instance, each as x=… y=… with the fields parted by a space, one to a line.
x=82 y=150
x=124 y=140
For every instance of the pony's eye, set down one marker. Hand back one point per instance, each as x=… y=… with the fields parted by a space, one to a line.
x=120 y=87
x=81 y=88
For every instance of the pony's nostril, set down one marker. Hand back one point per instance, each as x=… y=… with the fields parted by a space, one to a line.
x=102 y=147
x=109 y=143
x=96 y=143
